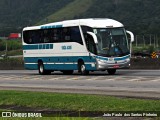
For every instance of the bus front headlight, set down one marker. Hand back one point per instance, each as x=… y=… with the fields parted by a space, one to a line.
x=100 y=60
x=127 y=60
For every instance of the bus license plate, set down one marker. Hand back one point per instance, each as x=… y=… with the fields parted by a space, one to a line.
x=116 y=66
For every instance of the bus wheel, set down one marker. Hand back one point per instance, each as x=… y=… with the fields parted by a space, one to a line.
x=83 y=70
x=67 y=72
x=41 y=69
x=111 y=71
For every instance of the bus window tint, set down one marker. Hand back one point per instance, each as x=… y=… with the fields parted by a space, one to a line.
x=46 y=36
x=66 y=34
x=26 y=36
x=54 y=35
x=31 y=37
x=75 y=35
x=86 y=29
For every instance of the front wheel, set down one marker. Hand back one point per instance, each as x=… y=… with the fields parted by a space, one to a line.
x=83 y=70
x=111 y=71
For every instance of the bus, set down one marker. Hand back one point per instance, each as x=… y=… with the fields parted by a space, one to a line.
x=85 y=45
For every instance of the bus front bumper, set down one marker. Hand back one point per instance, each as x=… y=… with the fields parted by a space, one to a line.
x=101 y=65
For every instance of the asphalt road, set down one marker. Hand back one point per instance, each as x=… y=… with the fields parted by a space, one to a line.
x=126 y=83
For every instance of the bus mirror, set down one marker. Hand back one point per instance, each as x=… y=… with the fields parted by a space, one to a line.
x=94 y=37
x=131 y=35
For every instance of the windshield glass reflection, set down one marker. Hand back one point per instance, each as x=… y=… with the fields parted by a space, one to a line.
x=112 y=42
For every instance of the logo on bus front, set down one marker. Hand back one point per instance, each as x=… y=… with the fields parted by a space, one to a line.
x=111 y=59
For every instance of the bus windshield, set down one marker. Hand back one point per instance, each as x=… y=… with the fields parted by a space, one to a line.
x=111 y=42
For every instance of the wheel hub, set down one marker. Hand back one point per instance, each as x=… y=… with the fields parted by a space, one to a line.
x=41 y=68
x=83 y=68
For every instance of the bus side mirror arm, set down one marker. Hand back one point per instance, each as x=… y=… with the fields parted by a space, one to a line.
x=132 y=40
x=94 y=37
x=131 y=34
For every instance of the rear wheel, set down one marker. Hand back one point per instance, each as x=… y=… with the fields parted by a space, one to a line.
x=82 y=69
x=67 y=72
x=111 y=71
x=41 y=69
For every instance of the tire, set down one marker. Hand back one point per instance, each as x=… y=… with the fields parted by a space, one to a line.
x=82 y=69
x=42 y=70
x=111 y=71
x=67 y=72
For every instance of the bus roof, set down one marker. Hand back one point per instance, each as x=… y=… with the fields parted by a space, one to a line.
x=92 y=22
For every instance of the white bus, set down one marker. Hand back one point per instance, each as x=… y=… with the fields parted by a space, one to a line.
x=84 y=45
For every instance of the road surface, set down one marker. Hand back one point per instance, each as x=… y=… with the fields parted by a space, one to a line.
x=126 y=83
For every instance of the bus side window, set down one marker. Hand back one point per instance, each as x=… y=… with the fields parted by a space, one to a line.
x=40 y=36
x=75 y=35
x=66 y=34
x=46 y=36
x=26 y=36
x=55 y=35
x=31 y=38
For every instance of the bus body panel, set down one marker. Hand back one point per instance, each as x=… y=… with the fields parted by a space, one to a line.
x=57 y=57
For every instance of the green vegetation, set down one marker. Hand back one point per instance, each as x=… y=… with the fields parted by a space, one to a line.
x=14 y=47
x=137 y=15
x=148 y=49
x=11 y=44
x=18 y=60
x=78 y=102
x=20 y=13
x=71 y=11
x=12 y=52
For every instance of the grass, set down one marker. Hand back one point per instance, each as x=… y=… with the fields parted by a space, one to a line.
x=12 y=52
x=76 y=102
x=12 y=60
x=72 y=10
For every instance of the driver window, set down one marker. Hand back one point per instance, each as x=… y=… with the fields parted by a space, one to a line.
x=91 y=46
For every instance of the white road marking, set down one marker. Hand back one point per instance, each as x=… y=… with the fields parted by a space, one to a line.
x=131 y=80
x=88 y=78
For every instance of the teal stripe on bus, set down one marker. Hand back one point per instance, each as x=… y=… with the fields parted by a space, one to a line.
x=59 y=59
x=39 y=46
x=51 y=26
x=65 y=62
x=115 y=58
x=30 y=47
x=122 y=58
x=58 y=67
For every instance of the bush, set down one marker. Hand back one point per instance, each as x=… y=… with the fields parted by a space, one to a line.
x=2 y=45
x=11 y=45
x=12 y=60
x=148 y=49
x=14 y=45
